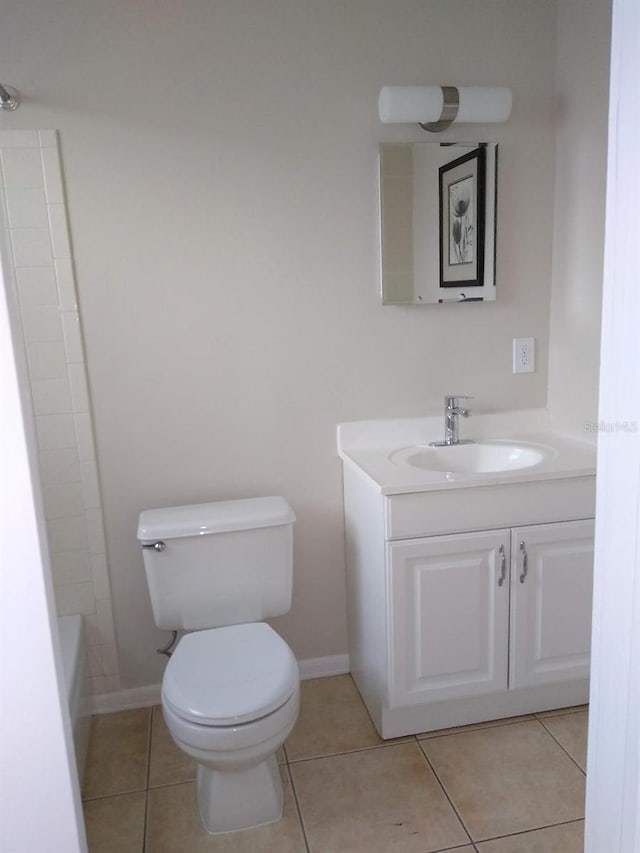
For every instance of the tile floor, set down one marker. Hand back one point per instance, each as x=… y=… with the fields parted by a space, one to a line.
x=512 y=786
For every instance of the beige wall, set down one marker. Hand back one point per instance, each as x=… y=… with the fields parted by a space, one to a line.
x=581 y=159
x=220 y=162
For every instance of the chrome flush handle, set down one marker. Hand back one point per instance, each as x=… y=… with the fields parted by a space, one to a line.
x=503 y=565
x=157 y=546
x=525 y=562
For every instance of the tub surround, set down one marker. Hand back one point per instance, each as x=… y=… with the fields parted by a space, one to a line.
x=74 y=660
x=32 y=198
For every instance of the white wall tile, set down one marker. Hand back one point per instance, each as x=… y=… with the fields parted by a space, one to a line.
x=111 y=683
x=31 y=247
x=67 y=534
x=46 y=360
x=98 y=684
x=59 y=231
x=66 y=284
x=79 y=389
x=59 y=467
x=72 y=338
x=95 y=531
x=52 y=176
x=63 y=501
x=51 y=396
x=91 y=632
x=19 y=139
x=84 y=437
x=100 y=576
x=73 y=567
x=34 y=198
x=48 y=138
x=22 y=167
x=94 y=661
x=90 y=488
x=74 y=598
x=26 y=207
x=37 y=286
x=109 y=658
x=55 y=432
x=104 y=614
x=42 y=323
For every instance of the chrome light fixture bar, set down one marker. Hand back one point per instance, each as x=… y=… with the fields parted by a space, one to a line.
x=435 y=108
x=9 y=98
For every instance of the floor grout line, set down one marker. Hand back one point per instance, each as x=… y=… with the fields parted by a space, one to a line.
x=357 y=749
x=144 y=822
x=475 y=727
x=561 y=712
x=298 y=810
x=533 y=829
x=149 y=739
x=444 y=791
x=176 y=782
x=146 y=792
x=113 y=794
x=566 y=751
x=457 y=847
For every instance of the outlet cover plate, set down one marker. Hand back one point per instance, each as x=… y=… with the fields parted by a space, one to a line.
x=524 y=355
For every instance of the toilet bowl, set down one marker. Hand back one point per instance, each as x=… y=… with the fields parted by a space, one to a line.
x=231 y=689
x=230 y=698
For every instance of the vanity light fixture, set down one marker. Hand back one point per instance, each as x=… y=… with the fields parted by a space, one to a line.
x=9 y=98
x=434 y=108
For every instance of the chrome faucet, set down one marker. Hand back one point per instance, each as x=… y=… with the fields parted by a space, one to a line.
x=452 y=411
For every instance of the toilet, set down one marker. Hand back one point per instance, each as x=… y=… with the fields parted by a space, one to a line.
x=231 y=689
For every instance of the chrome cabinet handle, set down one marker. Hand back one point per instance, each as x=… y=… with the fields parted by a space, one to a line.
x=525 y=562
x=157 y=546
x=503 y=565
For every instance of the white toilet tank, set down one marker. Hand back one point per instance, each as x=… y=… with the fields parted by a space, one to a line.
x=222 y=563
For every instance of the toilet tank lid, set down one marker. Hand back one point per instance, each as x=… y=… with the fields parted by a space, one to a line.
x=217 y=517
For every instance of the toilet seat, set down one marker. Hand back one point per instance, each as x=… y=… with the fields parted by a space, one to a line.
x=229 y=676
x=233 y=744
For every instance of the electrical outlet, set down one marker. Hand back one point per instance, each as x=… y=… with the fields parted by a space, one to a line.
x=524 y=355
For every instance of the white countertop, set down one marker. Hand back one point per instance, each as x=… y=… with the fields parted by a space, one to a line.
x=368 y=445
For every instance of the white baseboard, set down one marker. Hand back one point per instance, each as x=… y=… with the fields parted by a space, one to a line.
x=125 y=700
x=143 y=697
x=319 y=667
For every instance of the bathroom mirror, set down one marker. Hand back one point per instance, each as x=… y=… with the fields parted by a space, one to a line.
x=438 y=222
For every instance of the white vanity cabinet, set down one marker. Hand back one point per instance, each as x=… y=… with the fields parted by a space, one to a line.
x=551 y=595
x=449 y=617
x=479 y=613
x=468 y=604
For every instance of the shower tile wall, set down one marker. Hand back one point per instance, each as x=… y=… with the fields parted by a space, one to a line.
x=32 y=187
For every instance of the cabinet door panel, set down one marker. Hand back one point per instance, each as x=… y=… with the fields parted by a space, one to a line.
x=449 y=617
x=551 y=608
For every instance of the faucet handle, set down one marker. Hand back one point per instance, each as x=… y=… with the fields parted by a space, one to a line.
x=453 y=400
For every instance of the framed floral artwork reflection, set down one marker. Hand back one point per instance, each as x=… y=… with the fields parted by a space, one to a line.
x=462 y=225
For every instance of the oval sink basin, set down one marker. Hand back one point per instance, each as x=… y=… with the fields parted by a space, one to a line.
x=484 y=457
